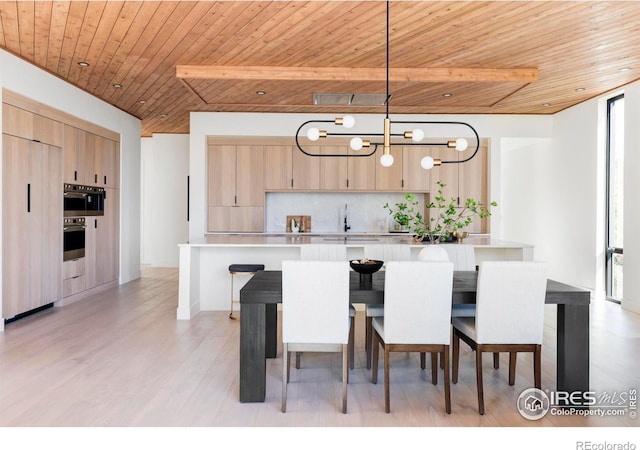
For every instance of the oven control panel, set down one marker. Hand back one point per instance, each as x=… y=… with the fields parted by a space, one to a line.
x=69 y=221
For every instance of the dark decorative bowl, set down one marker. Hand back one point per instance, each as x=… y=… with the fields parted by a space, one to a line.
x=366 y=268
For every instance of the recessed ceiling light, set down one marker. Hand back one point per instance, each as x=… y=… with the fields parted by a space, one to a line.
x=546 y=104
x=163 y=116
x=260 y=92
x=579 y=89
x=117 y=85
x=447 y=94
x=83 y=64
x=142 y=102
x=624 y=69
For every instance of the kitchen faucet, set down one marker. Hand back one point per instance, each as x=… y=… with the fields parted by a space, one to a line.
x=347 y=227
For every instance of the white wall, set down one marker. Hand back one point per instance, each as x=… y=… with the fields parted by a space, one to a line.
x=365 y=211
x=22 y=78
x=165 y=167
x=549 y=195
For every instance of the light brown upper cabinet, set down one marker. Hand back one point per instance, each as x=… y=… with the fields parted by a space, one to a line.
x=333 y=170
x=32 y=225
x=306 y=170
x=390 y=178
x=278 y=168
x=28 y=125
x=464 y=180
x=235 y=175
x=342 y=173
x=235 y=187
x=416 y=179
x=361 y=172
x=90 y=158
x=75 y=143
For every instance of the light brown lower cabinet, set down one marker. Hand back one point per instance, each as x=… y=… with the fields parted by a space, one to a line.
x=32 y=244
x=235 y=218
x=101 y=243
x=74 y=277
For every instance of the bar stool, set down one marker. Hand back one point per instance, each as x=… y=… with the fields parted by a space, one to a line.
x=246 y=269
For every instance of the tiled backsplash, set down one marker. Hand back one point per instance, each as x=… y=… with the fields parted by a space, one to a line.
x=365 y=212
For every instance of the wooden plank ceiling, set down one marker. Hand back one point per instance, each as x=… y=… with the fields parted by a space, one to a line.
x=576 y=50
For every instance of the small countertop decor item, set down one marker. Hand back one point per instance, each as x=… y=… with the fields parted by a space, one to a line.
x=298 y=224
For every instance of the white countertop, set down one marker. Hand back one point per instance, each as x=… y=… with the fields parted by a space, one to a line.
x=352 y=240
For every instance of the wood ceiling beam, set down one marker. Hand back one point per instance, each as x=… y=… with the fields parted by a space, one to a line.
x=430 y=74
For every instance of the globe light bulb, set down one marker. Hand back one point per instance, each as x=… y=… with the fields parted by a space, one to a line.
x=356 y=143
x=348 y=121
x=313 y=134
x=427 y=162
x=418 y=135
x=386 y=160
x=461 y=144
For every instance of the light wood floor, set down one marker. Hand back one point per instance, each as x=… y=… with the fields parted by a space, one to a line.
x=121 y=358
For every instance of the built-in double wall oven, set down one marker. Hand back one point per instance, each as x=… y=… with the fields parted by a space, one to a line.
x=82 y=200
x=79 y=201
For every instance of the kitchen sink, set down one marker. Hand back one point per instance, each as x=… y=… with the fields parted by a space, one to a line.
x=349 y=238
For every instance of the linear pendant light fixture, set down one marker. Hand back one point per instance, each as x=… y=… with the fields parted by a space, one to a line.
x=371 y=141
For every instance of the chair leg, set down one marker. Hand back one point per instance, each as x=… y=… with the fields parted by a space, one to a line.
x=442 y=360
x=423 y=360
x=231 y=306
x=368 y=339
x=496 y=360
x=479 y=379
x=387 y=401
x=456 y=358
x=352 y=335
x=298 y=354
x=537 y=366
x=447 y=386
x=374 y=358
x=513 y=357
x=345 y=376
x=287 y=355
x=434 y=368
x=285 y=376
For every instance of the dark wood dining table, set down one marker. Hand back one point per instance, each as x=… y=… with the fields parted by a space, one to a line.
x=260 y=296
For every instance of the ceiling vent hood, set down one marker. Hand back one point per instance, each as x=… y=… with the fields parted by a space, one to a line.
x=332 y=99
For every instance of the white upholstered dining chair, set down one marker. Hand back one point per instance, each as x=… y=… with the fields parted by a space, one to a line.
x=330 y=252
x=509 y=317
x=315 y=313
x=383 y=252
x=417 y=316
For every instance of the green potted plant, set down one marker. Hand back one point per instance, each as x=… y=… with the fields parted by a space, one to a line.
x=445 y=218
x=401 y=213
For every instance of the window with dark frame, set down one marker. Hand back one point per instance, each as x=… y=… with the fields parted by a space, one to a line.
x=615 y=198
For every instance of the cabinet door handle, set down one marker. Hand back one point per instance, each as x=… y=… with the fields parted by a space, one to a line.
x=95 y=223
x=105 y=179
x=188 y=195
x=95 y=178
x=28 y=197
x=75 y=175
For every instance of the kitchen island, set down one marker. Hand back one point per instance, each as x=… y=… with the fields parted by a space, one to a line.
x=205 y=283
